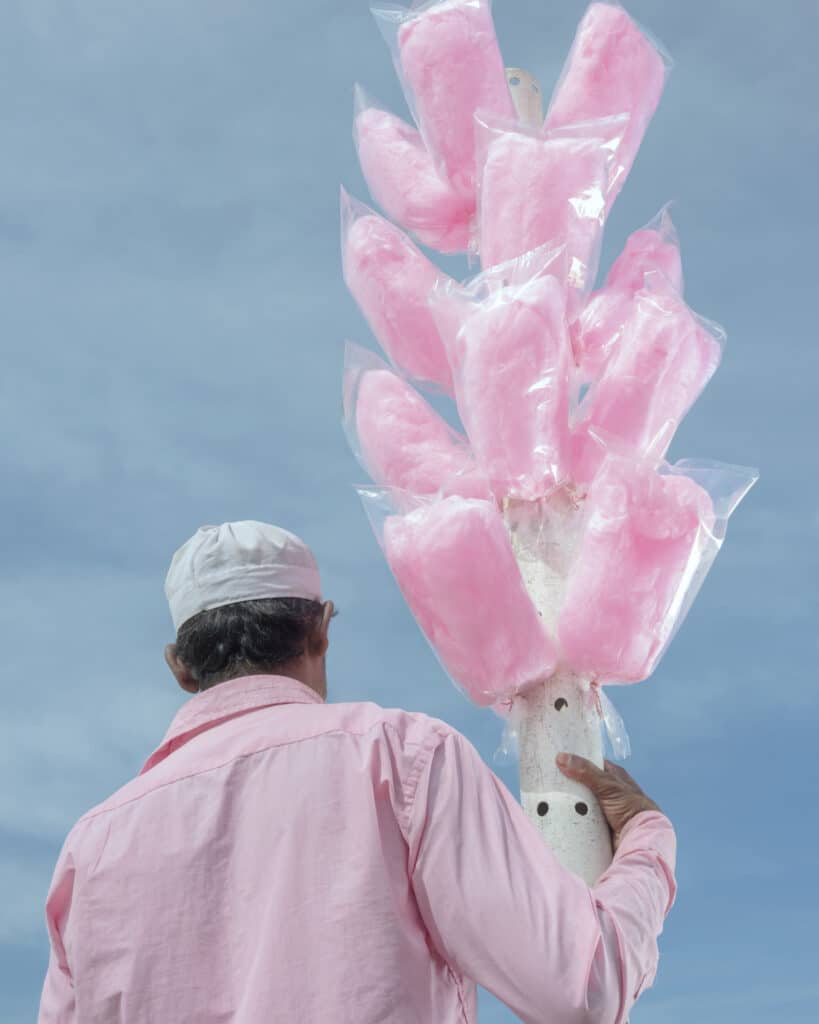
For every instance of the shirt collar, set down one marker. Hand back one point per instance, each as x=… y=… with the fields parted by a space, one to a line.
x=226 y=700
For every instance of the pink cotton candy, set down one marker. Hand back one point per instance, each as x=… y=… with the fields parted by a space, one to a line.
x=643 y=539
x=391 y=280
x=612 y=69
x=535 y=191
x=665 y=358
x=650 y=248
x=454 y=564
x=453 y=67
x=510 y=361
x=402 y=178
x=406 y=444
x=598 y=329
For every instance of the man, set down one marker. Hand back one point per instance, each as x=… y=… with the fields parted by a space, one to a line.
x=281 y=859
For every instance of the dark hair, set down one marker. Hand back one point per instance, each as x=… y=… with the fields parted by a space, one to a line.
x=246 y=638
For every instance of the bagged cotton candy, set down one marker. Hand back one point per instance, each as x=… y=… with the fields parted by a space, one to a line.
x=508 y=345
x=648 y=541
x=612 y=68
x=653 y=247
x=598 y=329
x=390 y=279
x=664 y=359
x=535 y=190
x=401 y=176
x=454 y=564
x=448 y=59
x=398 y=437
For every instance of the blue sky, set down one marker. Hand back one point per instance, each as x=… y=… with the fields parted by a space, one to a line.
x=172 y=322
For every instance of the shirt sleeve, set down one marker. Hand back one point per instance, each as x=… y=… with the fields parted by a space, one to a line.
x=57 y=1003
x=502 y=910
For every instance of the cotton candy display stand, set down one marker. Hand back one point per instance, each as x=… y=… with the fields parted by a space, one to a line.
x=547 y=550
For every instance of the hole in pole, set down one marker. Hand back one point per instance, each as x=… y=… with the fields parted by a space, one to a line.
x=543 y=808
x=581 y=808
x=560 y=703
x=514 y=80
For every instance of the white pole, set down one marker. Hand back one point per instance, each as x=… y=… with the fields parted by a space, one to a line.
x=563 y=713
x=526 y=96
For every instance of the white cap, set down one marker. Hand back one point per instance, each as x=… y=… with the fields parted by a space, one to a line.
x=244 y=561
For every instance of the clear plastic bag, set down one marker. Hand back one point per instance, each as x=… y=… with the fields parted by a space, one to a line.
x=402 y=178
x=613 y=67
x=454 y=565
x=649 y=538
x=507 y=341
x=615 y=727
x=390 y=279
x=398 y=437
x=447 y=57
x=598 y=329
x=508 y=750
x=664 y=359
x=534 y=189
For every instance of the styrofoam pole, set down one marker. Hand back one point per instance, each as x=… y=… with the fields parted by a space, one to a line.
x=526 y=96
x=563 y=713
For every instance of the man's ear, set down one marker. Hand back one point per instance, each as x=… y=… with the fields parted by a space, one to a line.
x=320 y=640
x=180 y=670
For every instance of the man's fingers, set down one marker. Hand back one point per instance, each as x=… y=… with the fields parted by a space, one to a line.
x=620 y=773
x=577 y=767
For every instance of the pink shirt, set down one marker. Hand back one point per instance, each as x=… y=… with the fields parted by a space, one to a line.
x=280 y=859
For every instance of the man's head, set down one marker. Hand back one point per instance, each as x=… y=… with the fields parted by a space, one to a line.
x=245 y=598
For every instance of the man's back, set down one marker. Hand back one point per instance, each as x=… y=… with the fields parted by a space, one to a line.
x=283 y=859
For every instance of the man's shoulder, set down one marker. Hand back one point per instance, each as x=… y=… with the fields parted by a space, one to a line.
x=411 y=728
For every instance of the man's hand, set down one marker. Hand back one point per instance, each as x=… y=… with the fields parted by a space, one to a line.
x=618 y=794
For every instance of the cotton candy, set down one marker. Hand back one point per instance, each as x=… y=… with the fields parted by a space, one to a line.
x=654 y=247
x=390 y=279
x=510 y=360
x=665 y=358
x=454 y=564
x=612 y=69
x=535 y=191
x=643 y=539
x=405 y=444
x=598 y=329
x=402 y=178
x=453 y=67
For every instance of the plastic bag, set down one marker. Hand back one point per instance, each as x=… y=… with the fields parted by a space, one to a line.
x=454 y=565
x=447 y=57
x=615 y=727
x=534 y=189
x=398 y=437
x=665 y=357
x=597 y=331
x=648 y=540
x=401 y=176
x=613 y=67
x=390 y=279
x=507 y=341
